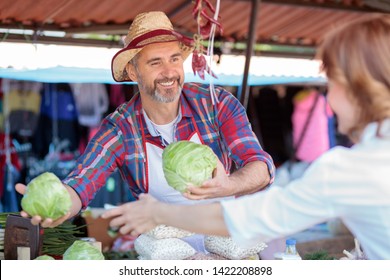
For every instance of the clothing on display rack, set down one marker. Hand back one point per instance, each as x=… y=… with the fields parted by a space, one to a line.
x=310 y=125
x=58 y=120
x=9 y=173
x=23 y=108
x=9 y=164
x=91 y=102
x=117 y=95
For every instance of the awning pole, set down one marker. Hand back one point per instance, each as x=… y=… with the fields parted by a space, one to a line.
x=244 y=94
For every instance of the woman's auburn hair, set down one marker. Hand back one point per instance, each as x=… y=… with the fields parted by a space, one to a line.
x=357 y=56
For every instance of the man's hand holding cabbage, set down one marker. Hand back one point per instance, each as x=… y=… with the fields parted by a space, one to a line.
x=47 y=201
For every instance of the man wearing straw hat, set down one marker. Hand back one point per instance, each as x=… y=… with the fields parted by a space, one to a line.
x=166 y=110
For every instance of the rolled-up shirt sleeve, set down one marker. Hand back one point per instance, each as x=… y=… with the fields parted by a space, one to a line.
x=236 y=130
x=103 y=154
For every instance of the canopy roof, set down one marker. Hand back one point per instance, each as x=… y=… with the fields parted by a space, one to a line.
x=280 y=23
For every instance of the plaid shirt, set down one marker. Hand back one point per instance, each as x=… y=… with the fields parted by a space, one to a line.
x=119 y=143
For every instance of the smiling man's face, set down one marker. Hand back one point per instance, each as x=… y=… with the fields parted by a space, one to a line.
x=159 y=71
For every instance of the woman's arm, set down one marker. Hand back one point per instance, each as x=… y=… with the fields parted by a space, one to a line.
x=143 y=215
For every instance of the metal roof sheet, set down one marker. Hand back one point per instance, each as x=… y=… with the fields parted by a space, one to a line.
x=282 y=22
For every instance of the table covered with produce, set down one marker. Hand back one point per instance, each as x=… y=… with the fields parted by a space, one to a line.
x=20 y=239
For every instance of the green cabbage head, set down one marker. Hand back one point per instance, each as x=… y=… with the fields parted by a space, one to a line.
x=187 y=163
x=82 y=250
x=44 y=257
x=47 y=197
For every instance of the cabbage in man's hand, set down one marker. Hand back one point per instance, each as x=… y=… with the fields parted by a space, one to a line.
x=47 y=197
x=187 y=163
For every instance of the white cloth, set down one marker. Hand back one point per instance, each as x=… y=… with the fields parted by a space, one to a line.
x=353 y=184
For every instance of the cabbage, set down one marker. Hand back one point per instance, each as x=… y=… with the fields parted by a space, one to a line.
x=82 y=250
x=44 y=257
x=187 y=163
x=47 y=197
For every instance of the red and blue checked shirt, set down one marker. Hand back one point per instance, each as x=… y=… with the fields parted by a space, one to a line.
x=119 y=142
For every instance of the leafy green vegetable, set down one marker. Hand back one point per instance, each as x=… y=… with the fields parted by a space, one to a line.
x=47 y=197
x=187 y=163
x=128 y=255
x=319 y=255
x=82 y=250
x=44 y=257
x=56 y=240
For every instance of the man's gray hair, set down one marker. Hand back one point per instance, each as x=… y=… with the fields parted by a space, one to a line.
x=134 y=61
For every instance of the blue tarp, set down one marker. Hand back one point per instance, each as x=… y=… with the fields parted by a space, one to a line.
x=62 y=74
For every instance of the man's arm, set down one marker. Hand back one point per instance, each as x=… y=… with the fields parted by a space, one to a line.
x=252 y=178
x=76 y=201
x=255 y=166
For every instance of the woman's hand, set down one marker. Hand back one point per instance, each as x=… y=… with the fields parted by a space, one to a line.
x=135 y=217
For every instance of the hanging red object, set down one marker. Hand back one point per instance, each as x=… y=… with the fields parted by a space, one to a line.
x=199 y=65
x=205 y=23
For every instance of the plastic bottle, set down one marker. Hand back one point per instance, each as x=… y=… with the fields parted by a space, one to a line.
x=291 y=252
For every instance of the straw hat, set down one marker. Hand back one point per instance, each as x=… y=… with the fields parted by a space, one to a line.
x=147 y=28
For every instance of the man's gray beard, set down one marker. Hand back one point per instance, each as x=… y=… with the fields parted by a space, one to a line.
x=160 y=98
x=155 y=95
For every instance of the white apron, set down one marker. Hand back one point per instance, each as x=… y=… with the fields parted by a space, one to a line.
x=156 y=184
x=158 y=187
